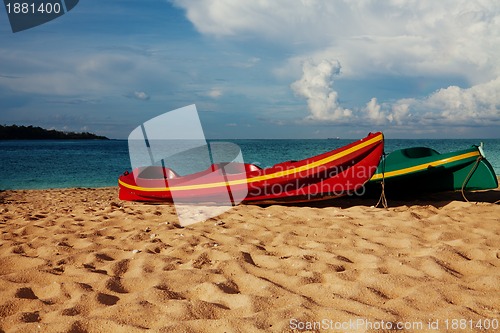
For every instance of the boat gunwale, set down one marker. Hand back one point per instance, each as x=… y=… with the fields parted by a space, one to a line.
x=444 y=160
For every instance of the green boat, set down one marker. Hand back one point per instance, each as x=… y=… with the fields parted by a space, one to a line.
x=422 y=169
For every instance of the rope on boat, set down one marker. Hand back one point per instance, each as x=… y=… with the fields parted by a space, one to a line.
x=383 y=200
x=471 y=172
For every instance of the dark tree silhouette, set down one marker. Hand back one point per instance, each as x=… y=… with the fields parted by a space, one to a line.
x=15 y=132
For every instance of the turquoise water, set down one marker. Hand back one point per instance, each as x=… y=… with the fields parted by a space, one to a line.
x=60 y=164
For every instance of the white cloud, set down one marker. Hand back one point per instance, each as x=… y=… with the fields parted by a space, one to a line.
x=390 y=35
x=400 y=111
x=478 y=105
x=446 y=38
x=374 y=114
x=316 y=85
x=141 y=95
x=215 y=93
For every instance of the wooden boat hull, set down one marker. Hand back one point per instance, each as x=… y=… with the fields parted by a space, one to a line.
x=332 y=174
x=421 y=169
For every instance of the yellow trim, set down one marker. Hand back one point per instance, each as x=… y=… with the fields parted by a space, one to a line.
x=424 y=166
x=278 y=174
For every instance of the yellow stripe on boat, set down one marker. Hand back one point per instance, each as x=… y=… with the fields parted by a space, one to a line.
x=424 y=166
x=278 y=174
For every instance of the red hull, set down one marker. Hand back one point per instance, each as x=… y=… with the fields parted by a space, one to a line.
x=332 y=174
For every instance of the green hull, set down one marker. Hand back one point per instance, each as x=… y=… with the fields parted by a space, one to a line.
x=423 y=169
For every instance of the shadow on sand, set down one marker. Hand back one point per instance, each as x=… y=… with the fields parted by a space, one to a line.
x=408 y=199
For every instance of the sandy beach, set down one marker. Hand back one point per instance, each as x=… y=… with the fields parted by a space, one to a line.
x=80 y=260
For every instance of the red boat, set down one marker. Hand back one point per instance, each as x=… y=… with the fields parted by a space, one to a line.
x=332 y=174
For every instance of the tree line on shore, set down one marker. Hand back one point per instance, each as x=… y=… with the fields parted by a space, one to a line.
x=15 y=132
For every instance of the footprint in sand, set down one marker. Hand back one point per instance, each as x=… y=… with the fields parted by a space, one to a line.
x=26 y=293
x=247 y=257
x=115 y=284
x=229 y=287
x=107 y=299
x=168 y=293
x=379 y=293
x=92 y=269
x=344 y=259
x=202 y=261
x=121 y=267
x=337 y=268
x=85 y=287
x=31 y=317
x=103 y=257
x=70 y=312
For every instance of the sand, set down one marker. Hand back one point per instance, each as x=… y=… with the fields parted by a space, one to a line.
x=80 y=260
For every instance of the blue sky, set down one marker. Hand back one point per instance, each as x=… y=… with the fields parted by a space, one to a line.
x=260 y=69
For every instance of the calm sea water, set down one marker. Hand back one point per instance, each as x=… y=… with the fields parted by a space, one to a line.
x=60 y=164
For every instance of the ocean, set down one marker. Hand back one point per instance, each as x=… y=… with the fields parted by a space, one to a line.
x=44 y=164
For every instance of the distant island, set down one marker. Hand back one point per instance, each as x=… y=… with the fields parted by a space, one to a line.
x=15 y=132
